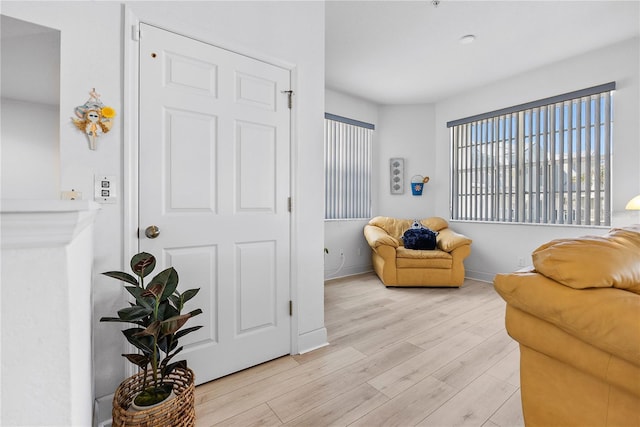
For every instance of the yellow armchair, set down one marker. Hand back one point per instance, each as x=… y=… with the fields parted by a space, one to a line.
x=396 y=265
x=577 y=320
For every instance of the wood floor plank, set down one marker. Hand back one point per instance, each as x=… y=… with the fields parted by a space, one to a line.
x=293 y=404
x=510 y=413
x=244 y=378
x=409 y=407
x=508 y=369
x=463 y=370
x=397 y=357
x=342 y=410
x=406 y=374
x=473 y=405
x=231 y=404
x=261 y=415
x=453 y=325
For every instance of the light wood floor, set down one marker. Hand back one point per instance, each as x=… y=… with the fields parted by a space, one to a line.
x=397 y=357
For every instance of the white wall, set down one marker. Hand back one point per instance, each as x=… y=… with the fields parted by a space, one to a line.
x=29 y=113
x=30 y=150
x=291 y=32
x=401 y=131
x=346 y=235
x=407 y=131
x=497 y=247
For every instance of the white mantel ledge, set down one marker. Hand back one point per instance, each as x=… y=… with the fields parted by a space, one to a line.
x=43 y=223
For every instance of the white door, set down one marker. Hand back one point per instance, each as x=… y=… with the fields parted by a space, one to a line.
x=214 y=178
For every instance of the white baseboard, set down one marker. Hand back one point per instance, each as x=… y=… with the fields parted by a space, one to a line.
x=102 y=414
x=348 y=271
x=480 y=276
x=312 y=340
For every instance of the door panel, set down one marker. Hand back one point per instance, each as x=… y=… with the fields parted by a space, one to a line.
x=214 y=177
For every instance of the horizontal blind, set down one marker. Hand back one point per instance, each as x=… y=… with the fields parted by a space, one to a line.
x=347 y=170
x=547 y=164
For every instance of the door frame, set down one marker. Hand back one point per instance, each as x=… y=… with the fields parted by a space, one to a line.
x=130 y=150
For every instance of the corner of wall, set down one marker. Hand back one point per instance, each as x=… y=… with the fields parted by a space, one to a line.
x=312 y=340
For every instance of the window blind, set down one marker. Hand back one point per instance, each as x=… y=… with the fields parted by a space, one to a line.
x=544 y=162
x=347 y=168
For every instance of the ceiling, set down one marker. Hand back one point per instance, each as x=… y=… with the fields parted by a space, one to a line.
x=407 y=52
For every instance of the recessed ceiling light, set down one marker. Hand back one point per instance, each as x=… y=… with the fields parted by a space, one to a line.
x=469 y=38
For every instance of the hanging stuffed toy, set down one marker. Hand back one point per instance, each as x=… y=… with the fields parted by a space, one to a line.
x=94 y=118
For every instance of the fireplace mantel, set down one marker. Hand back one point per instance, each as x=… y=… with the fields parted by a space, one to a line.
x=46 y=311
x=44 y=223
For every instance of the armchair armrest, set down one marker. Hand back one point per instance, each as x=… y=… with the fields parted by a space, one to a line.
x=606 y=318
x=376 y=236
x=448 y=240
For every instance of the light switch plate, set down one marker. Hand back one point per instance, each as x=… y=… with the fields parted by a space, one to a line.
x=105 y=189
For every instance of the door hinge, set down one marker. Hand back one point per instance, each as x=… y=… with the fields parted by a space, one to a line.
x=290 y=308
x=135 y=32
x=289 y=204
x=289 y=98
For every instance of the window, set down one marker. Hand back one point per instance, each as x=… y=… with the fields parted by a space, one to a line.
x=347 y=168
x=547 y=161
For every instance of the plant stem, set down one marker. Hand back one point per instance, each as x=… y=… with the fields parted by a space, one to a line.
x=154 y=359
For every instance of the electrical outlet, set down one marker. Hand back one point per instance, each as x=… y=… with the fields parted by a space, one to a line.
x=520 y=261
x=104 y=188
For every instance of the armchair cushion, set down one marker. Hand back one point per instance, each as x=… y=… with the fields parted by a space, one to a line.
x=612 y=260
x=376 y=237
x=448 y=240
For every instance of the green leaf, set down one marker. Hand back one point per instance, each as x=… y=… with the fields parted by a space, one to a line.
x=168 y=359
x=137 y=294
x=153 y=290
x=138 y=359
x=187 y=295
x=112 y=319
x=172 y=283
x=171 y=325
x=183 y=332
x=151 y=330
x=169 y=312
x=144 y=344
x=175 y=299
x=134 y=313
x=142 y=264
x=125 y=277
x=195 y=312
x=168 y=278
x=169 y=368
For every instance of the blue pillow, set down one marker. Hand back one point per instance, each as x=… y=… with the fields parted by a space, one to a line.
x=419 y=238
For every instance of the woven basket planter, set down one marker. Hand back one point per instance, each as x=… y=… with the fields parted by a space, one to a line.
x=176 y=412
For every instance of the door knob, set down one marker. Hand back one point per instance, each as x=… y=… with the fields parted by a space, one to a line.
x=152 y=232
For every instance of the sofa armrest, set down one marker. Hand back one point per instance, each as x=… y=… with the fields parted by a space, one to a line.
x=448 y=240
x=376 y=236
x=606 y=318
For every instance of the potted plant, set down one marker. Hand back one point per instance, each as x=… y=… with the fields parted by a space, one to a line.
x=158 y=320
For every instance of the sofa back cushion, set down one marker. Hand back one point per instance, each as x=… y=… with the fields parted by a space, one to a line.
x=396 y=227
x=612 y=260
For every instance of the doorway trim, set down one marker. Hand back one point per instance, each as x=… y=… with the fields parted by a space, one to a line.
x=130 y=149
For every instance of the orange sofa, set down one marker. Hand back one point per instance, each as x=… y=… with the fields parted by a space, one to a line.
x=576 y=317
x=399 y=266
